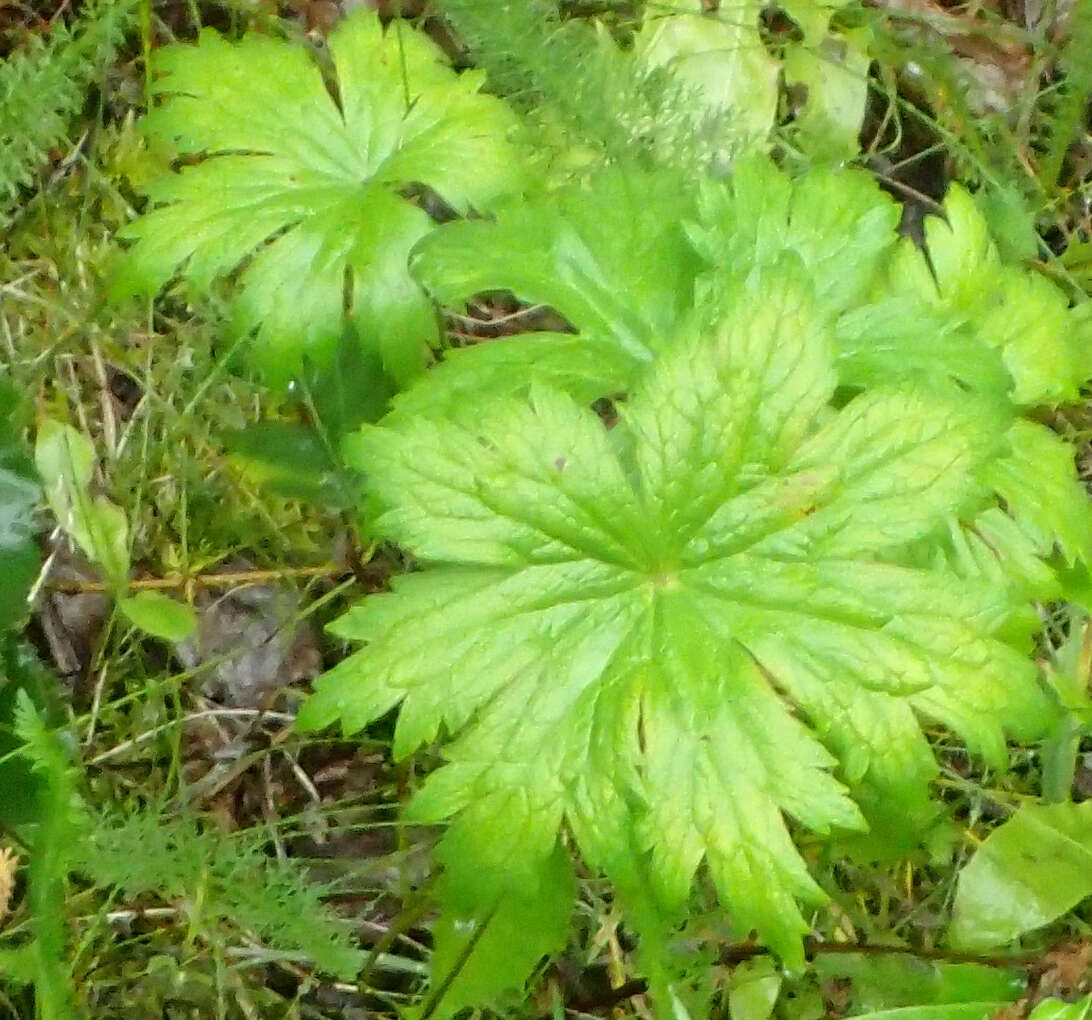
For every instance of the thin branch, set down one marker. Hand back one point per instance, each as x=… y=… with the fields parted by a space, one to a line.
x=229 y=579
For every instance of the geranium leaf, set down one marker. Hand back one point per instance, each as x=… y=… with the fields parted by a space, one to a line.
x=610 y=256
x=960 y=282
x=306 y=193
x=839 y=223
x=670 y=633
x=1038 y=481
x=584 y=367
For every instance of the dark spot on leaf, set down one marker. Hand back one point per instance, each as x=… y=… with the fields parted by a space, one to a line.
x=560 y=463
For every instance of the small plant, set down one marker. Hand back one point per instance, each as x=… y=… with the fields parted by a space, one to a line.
x=66 y=459
x=43 y=85
x=667 y=636
x=312 y=189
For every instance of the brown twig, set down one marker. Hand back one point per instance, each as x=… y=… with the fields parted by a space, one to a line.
x=227 y=579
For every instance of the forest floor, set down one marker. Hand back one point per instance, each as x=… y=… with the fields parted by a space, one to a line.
x=203 y=728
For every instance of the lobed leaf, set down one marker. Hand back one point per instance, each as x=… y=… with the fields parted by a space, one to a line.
x=303 y=195
x=671 y=635
x=610 y=256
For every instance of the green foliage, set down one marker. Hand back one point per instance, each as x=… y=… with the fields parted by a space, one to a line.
x=307 y=195
x=626 y=630
x=583 y=86
x=946 y=1011
x=612 y=258
x=65 y=460
x=1028 y=872
x=755 y=986
x=222 y=880
x=1056 y=1009
x=159 y=614
x=59 y=824
x=18 y=497
x=681 y=86
x=44 y=84
x=1067 y=674
x=485 y=948
x=1069 y=118
x=894 y=981
x=701 y=638
x=722 y=60
x=954 y=309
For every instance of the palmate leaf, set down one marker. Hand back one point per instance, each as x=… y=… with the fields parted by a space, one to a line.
x=670 y=634
x=306 y=192
x=954 y=312
x=628 y=254
x=610 y=255
x=1020 y=317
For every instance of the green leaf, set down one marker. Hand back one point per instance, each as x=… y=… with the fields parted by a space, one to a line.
x=839 y=223
x=159 y=615
x=233 y=877
x=628 y=300
x=55 y=838
x=1011 y=218
x=755 y=986
x=835 y=74
x=484 y=951
x=1067 y=673
x=902 y=338
x=289 y=459
x=610 y=256
x=18 y=497
x=946 y=1011
x=1038 y=481
x=671 y=632
x=895 y=980
x=306 y=194
x=65 y=460
x=1028 y=872
x=721 y=57
x=1056 y=1009
x=22 y=673
x=584 y=367
x=961 y=281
